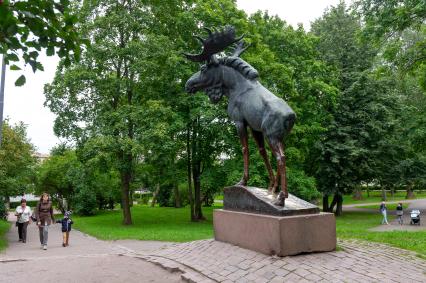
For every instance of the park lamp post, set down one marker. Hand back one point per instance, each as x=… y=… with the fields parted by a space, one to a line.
x=3 y=75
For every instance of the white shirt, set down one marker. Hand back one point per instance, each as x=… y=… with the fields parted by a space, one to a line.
x=26 y=213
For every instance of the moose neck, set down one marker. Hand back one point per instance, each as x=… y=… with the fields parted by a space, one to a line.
x=234 y=81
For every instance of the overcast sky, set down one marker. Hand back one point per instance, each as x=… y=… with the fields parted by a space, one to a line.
x=26 y=103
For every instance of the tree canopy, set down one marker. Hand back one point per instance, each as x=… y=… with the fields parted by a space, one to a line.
x=27 y=27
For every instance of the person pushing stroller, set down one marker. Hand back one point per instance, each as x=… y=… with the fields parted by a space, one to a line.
x=66 y=227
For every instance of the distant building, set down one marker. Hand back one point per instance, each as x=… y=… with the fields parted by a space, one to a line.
x=27 y=197
x=41 y=157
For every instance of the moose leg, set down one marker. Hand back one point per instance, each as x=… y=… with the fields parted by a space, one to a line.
x=242 y=133
x=260 y=141
x=278 y=149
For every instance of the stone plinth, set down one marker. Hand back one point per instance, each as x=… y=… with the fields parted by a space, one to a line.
x=276 y=235
x=257 y=200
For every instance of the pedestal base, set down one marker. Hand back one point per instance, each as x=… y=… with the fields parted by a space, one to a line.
x=275 y=235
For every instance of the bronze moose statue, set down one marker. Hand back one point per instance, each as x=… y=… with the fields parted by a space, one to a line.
x=250 y=104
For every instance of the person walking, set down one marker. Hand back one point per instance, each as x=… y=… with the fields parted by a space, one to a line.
x=66 y=228
x=23 y=213
x=399 y=213
x=383 y=210
x=44 y=214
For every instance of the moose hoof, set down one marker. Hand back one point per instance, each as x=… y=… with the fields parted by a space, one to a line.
x=280 y=201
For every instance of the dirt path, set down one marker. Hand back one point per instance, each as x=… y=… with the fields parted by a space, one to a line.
x=85 y=260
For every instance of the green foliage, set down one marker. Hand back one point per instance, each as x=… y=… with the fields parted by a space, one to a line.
x=398 y=27
x=302 y=186
x=85 y=201
x=69 y=177
x=16 y=161
x=142 y=199
x=164 y=196
x=26 y=27
x=3 y=210
x=356 y=141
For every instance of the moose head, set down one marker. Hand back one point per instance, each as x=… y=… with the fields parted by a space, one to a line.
x=210 y=78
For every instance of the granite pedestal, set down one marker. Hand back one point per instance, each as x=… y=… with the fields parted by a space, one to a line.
x=297 y=228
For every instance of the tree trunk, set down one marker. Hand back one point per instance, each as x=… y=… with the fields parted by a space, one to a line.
x=357 y=194
x=196 y=172
x=325 y=207
x=339 y=207
x=198 y=213
x=332 y=204
x=392 y=191
x=125 y=189
x=177 y=195
x=131 y=198
x=155 y=194
x=410 y=193
x=383 y=194
x=7 y=202
x=188 y=163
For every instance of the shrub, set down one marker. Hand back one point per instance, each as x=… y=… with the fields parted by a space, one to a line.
x=142 y=199
x=3 y=210
x=164 y=196
x=85 y=202
x=302 y=185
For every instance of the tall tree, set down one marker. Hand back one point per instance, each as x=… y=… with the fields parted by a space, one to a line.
x=104 y=94
x=16 y=161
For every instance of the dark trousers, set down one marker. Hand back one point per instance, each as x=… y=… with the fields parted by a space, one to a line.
x=22 y=230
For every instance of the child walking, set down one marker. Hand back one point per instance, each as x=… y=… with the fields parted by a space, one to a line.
x=66 y=227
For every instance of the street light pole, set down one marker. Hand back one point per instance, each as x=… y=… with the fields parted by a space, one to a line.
x=3 y=75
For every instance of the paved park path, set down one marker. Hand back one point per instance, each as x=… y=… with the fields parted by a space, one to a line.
x=86 y=260
x=419 y=204
x=90 y=260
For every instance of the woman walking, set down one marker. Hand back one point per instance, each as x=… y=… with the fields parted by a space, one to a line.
x=44 y=213
x=23 y=213
x=383 y=210
x=399 y=213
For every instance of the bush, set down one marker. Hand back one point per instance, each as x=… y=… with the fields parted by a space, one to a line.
x=85 y=202
x=142 y=199
x=183 y=195
x=301 y=185
x=3 y=210
x=164 y=196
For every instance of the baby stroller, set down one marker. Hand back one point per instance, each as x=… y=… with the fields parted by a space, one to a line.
x=415 y=216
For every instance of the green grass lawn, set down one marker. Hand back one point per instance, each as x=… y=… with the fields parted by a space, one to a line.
x=4 y=227
x=149 y=223
x=356 y=224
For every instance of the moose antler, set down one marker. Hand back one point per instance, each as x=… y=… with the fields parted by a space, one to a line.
x=216 y=42
x=239 y=49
